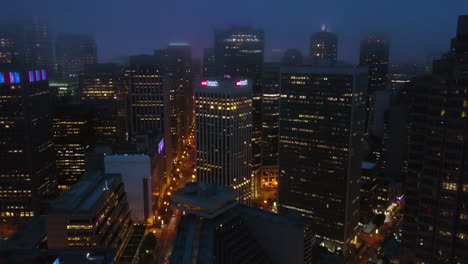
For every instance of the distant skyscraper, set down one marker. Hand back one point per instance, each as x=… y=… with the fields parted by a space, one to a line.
x=39 y=44
x=209 y=63
x=374 y=54
x=224 y=133
x=102 y=89
x=324 y=46
x=12 y=44
x=321 y=133
x=73 y=52
x=27 y=159
x=292 y=57
x=276 y=55
x=73 y=137
x=436 y=206
x=229 y=233
x=239 y=51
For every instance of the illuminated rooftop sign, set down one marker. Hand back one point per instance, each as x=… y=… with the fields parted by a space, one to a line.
x=242 y=83
x=210 y=83
x=38 y=75
x=9 y=77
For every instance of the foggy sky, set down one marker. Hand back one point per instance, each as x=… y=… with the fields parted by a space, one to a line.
x=126 y=27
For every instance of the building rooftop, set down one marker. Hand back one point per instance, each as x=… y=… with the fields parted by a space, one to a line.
x=27 y=237
x=82 y=196
x=204 y=199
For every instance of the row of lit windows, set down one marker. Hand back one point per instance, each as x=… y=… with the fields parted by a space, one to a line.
x=20 y=214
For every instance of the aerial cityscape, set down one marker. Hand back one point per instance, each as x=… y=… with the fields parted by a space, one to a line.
x=141 y=132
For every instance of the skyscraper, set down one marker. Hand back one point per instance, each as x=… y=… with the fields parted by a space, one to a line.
x=321 y=132
x=436 y=206
x=374 y=54
x=145 y=99
x=102 y=89
x=73 y=52
x=239 y=51
x=224 y=133
x=179 y=84
x=73 y=137
x=269 y=83
x=39 y=44
x=324 y=45
x=27 y=159
x=209 y=63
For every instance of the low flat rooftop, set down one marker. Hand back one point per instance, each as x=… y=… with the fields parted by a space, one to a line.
x=204 y=199
x=84 y=195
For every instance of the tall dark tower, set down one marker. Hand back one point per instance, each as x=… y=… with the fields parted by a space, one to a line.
x=179 y=85
x=436 y=206
x=103 y=91
x=324 y=45
x=321 y=130
x=26 y=149
x=73 y=52
x=374 y=54
x=239 y=51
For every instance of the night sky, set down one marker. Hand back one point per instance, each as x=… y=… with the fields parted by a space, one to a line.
x=125 y=27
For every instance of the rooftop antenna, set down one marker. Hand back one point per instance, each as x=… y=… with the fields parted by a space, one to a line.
x=324 y=27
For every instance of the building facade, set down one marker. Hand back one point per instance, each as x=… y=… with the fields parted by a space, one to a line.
x=73 y=137
x=436 y=205
x=94 y=213
x=322 y=113
x=27 y=160
x=224 y=133
x=324 y=46
x=73 y=52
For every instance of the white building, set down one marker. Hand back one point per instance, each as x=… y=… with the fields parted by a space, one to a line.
x=224 y=133
x=136 y=176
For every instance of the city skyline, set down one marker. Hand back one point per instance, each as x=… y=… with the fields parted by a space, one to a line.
x=405 y=24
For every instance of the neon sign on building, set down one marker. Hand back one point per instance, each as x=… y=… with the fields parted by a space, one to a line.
x=210 y=83
x=161 y=146
x=242 y=83
x=10 y=77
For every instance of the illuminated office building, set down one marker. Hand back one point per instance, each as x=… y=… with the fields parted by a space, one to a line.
x=64 y=89
x=145 y=99
x=73 y=52
x=27 y=159
x=216 y=229
x=224 y=133
x=374 y=54
x=26 y=42
x=321 y=135
x=436 y=196
x=239 y=51
x=102 y=89
x=94 y=213
x=73 y=137
x=269 y=83
x=179 y=84
x=324 y=45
